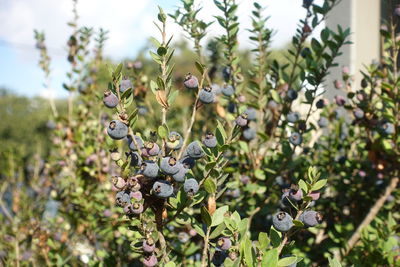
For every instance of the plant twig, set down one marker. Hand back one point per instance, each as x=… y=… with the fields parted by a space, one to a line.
x=370 y=216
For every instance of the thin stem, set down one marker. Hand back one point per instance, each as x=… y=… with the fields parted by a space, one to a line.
x=193 y=116
x=370 y=216
x=205 y=249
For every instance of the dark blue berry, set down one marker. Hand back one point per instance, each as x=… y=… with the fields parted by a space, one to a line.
x=194 y=150
x=293 y=117
x=292 y=94
x=110 y=100
x=310 y=218
x=125 y=85
x=191 y=186
x=210 y=140
x=149 y=169
x=169 y=165
x=282 y=221
x=295 y=139
x=227 y=90
x=206 y=95
x=191 y=81
x=117 y=130
x=163 y=189
x=249 y=134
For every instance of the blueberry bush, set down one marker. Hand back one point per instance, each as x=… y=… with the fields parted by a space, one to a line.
x=212 y=156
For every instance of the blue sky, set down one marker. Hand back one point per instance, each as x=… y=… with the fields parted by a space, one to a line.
x=130 y=25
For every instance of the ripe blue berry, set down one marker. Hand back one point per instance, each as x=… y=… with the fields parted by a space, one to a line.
x=293 y=117
x=117 y=130
x=210 y=140
x=358 y=113
x=181 y=174
x=136 y=159
x=138 y=141
x=150 y=149
x=110 y=100
x=148 y=245
x=292 y=94
x=310 y=218
x=388 y=128
x=282 y=221
x=194 y=150
x=321 y=103
x=174 y=141
x=323 y=122
x=122 y=199
x=241 y=120
x=169 y=165
x=125 y=85
x=295 y=139
x=188 y=162
x=249 y=134
x=150 y=261
x=206 y=95
x=191 y=81
x=163 y=189
x=226 y=73
x=227 y=90
x=224 y=243
x=191 y=186
x=149 y=169
x=231 y=107
x=251 y=114
x=219 y=258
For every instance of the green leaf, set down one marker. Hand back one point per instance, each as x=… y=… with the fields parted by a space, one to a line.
x=334 y=262
x=247 y=249
x=172 y=96
x=218 y=216
x=298 y=223
x=153 y=86
x=287 y=261
x=263 y=240
x=318 y=185
x=210 y=186
x=205 y=216
x=270 y=259
x=170 y=264
x=275 y=237
x=303 y=186
x=162 y=131
x=200 y=67
x=218 y=230
x=117 y=71
x=275 y=96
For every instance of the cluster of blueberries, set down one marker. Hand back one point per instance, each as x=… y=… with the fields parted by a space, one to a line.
x=154 y=169
x=208 y=95
x=283 y=222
